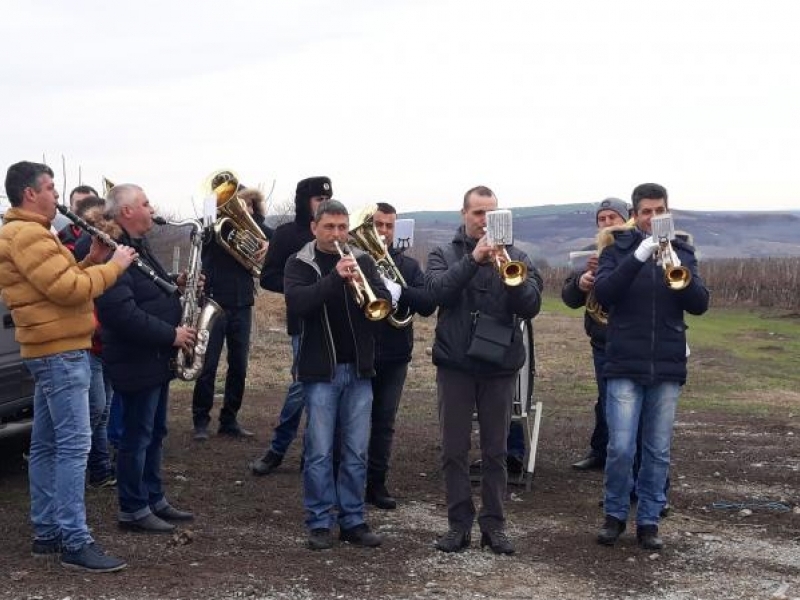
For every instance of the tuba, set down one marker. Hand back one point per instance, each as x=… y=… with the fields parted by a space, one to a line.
x=235 y=230
x=375 y=309
x=676 y=276
x=499 y=233
x=364 y=236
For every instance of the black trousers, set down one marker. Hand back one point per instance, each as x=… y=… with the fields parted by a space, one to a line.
x=387 y=388
x=460 y=394
x=232 y=327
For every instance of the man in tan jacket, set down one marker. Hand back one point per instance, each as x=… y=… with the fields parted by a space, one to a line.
x=51 y=301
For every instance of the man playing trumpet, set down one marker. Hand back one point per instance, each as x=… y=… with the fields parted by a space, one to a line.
x=645 y=364
x=464 y=280
x=335 y=363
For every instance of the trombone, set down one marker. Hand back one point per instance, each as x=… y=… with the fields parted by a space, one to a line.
x=375 y=309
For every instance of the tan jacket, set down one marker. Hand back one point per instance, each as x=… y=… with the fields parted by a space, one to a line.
x=50 y=296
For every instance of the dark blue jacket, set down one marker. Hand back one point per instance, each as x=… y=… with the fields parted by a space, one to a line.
x=646 y=337
x=574 y=297
x=394 y=344
x=460 y=287
x=139 y=321
x=307 y=292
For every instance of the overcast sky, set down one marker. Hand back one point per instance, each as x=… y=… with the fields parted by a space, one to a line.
x=411 y=102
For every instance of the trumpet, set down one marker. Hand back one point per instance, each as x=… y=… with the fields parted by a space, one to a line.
x=676 y=276
x=375 y=309
x=499 y=233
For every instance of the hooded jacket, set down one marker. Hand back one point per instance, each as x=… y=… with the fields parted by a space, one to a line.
x=461 y=287
x=48 y=293
x=306 y=292
x=646 y=338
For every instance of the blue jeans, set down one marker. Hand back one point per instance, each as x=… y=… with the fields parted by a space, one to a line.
x=626 y=403
x=232 y=328
x=346 y=402
x=114 y=425
x=144 y=427
x=292 y=411
x=60 y=444
x=99 y=464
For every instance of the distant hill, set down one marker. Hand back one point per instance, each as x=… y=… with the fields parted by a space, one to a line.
x=552 y=231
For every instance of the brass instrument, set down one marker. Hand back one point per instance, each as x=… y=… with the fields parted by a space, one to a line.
x=107 y=185
x=196 y=312
x=235 y=230
x=375 y=309
x=499 y=233
x=676 y=276
x=595 y=310
x=364 y=236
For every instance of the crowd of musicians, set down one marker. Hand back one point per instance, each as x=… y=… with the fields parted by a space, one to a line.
x=103 y=329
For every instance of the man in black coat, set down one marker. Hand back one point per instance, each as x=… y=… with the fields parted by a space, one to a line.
x=141 y=330
x=611 y=212
x=645 y=363
x=287 y=240
x=230 y=285
x=466 y=285
x=392 y=355
x=335 y=362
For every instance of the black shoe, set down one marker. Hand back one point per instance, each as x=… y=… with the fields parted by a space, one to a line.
x=91 y=558
x=147 y=524
x=497 y=541
x=360 y=535
x=170 y=513
x=647 y=536
x=235 y=431
x=266 y=464
x=455 y=540
x=200 y=434
x=109 y=481
x=320 y=539
x=514 y=465
x=47 y=548
x=612 y=529
x=379 y=497
x=665 y=510
x=592 y=462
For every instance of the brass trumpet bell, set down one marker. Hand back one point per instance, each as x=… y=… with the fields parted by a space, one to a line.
x=677 y=278
x=512 y=272
x=375 y=309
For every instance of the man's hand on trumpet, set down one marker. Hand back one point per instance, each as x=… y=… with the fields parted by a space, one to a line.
x=483 y=251
x=346 y=268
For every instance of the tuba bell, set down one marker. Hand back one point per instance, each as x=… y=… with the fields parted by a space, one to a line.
x=235 y=230
x=364 y=236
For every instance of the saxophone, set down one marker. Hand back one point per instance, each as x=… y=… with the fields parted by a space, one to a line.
x=189 y=363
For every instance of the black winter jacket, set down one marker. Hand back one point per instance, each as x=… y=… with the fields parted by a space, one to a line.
x=227 y=281
x=393 y=344
x=139 y=322
x=574 y=297
x=306 y=292
x=646 y=339
x=460 y=287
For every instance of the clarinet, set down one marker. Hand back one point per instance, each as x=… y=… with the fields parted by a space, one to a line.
x=168 y=287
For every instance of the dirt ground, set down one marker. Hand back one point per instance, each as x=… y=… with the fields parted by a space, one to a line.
x=734 y=531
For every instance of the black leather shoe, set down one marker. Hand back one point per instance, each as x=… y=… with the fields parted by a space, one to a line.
x=147 y=524
x=379 y=497
x=592 y=462
x=514 y=465
x=612 y=529
x=266 y=464
x=234 y=431
x=497 y=541
x=200 y=434
x=360 y=535
x=455 y=540
x=647 y=536
x=320 y=539
x=170 y=513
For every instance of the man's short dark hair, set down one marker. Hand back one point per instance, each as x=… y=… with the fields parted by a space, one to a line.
x=83 y=189
x=648 y=191
x=330 y=207
x=23 y=175
x=387 y=208
x=479 y=190
x=87 y=203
